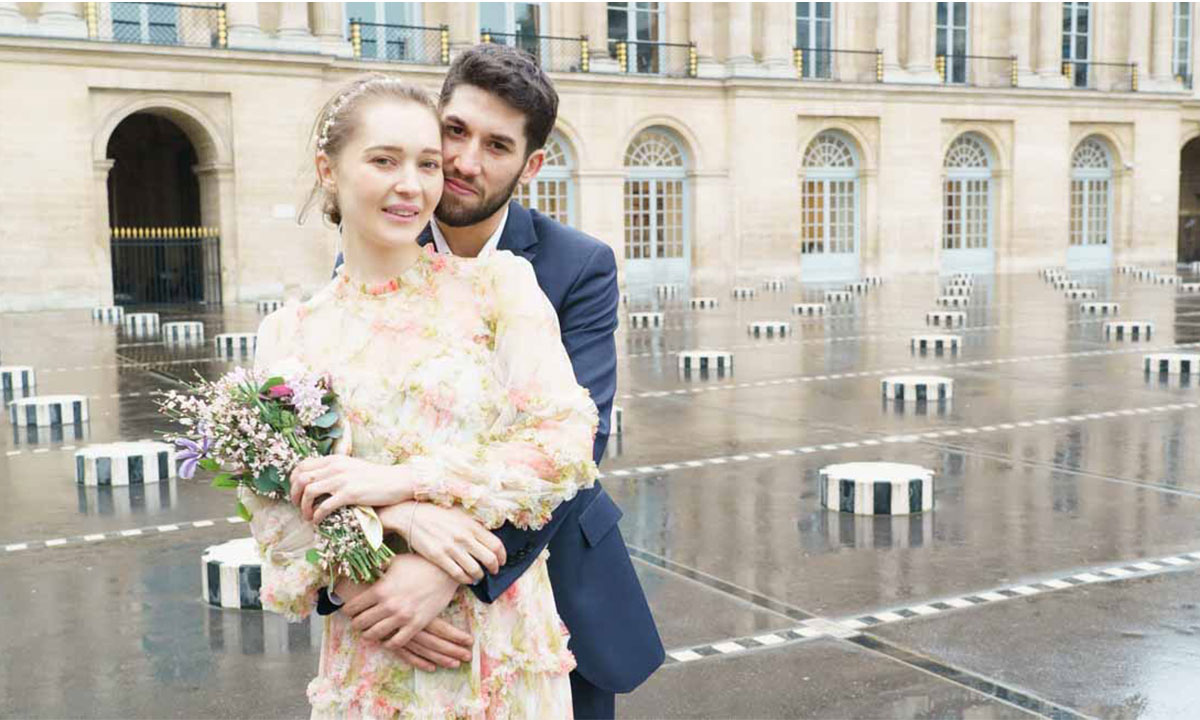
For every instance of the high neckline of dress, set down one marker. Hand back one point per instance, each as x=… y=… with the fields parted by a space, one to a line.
x=413 y=275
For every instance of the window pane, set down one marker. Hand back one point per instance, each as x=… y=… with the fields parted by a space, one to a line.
x=364 y=11
x=491 y=17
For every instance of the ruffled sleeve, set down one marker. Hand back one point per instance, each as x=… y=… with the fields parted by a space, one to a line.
x=538 y=453
x=289 y=580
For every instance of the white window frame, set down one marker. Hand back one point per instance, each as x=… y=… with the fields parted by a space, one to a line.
x=830 y=182
x=1089 y=180
x=414 y=15
x=968 y=180
x=630 y=38
x=945 y=34
x=1072 y=36
x=657 y=177
x=815 y=68
x=1181 y=46
x=143 y=22
x=531 y=195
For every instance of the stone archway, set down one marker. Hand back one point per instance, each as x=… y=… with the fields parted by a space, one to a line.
x=1189 y=202
x=172 y=156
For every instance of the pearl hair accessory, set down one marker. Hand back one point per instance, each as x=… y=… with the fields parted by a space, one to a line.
x=345 y=99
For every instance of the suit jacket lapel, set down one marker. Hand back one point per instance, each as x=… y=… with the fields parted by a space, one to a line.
x=519 y=237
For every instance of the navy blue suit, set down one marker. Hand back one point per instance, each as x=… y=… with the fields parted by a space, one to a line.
x=613 y=635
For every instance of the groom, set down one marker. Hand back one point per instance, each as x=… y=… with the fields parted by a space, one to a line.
x=498 y=109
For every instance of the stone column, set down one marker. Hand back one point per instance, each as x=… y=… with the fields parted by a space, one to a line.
x=700 y=30
x=1049 y=46
x=463 y=21
x=919 y=58
x=741 y=46
x=887 y=37
x=329 y=20
x=595 y=26
x=1020 y=39
x=293 y=32
x=779 y=29
x=1160 y=49
x=244 y=30
x=11 y=21
x=63 y=20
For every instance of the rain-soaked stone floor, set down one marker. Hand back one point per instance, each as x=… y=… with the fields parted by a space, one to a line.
x=1057 y=575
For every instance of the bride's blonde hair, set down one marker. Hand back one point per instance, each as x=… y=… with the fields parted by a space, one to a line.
x=338 y=119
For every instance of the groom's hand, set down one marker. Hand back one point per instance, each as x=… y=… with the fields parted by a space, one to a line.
x=400 y=610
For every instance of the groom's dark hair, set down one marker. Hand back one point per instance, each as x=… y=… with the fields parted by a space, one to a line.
x=514 y=76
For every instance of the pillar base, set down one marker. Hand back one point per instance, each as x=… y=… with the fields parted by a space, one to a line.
x=709 y=68
x=915 y=76
x=61 y=25
x=1054 y=81
x=745 y=67
x=335 y=46
x=602 y=63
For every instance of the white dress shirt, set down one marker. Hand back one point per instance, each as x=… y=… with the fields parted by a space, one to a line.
x=443 y=247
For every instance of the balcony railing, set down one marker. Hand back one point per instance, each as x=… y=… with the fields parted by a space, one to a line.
x=1106 y=76
x=654 y=58
x=554 y=54
x=156 y=23
x=834 y=64
x=978 y=70
x=400 y=43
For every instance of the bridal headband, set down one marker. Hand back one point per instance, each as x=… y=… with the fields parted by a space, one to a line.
x=343 y=100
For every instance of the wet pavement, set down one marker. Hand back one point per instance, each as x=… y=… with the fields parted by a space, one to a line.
x=1057 y=575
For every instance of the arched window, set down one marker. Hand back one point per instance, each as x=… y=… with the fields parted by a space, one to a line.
x=829 y=196
x=1091 y=193
x=552 y=192
x=655 y=195
x=967 y=195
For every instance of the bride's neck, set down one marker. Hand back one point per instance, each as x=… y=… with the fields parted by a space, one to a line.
x=370 y=262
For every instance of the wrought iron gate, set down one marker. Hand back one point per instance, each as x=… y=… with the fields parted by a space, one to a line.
x=166 y=265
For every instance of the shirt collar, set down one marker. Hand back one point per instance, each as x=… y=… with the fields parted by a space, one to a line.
x=443 y=247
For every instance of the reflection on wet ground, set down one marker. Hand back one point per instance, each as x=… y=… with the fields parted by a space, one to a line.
x=1058 y=458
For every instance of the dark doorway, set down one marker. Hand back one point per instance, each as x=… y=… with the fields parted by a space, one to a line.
x=160 y=252
x=1189 y=203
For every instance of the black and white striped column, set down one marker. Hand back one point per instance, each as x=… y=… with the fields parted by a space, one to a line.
x=954 y=301
x=858 y=287
x=769 y=328
x=269 y=306
x=111 y=314
x=935 y=343
x=1099 y=308
x=919 y=388
x=616 y=423
x=1080 y=294
x=184 y=332
x=743 y=293
x=17 y=379
x=704 y=303
x=958 y=291
x=718 y=361
x=1171 y=363
x=774 y=285
x=1189 y=288
x=838 y=296
x=644 y=320
x=141 y=324
x=946 y=318
x=877 y=488
x=47 y=410
x=668 y=291
x=231 y=575
x=1065 y=284
x=236 y=344
x=1128 y=330
x=125 y=463
x=808 y=309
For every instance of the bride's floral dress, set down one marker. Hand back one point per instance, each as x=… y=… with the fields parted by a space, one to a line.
x=457 y=369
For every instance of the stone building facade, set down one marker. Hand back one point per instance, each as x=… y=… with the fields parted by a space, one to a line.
x=704 y=141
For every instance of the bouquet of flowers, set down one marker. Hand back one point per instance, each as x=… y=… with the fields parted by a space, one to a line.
x=253 y=430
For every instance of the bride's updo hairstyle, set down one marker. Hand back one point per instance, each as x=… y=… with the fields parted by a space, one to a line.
x=338 y=120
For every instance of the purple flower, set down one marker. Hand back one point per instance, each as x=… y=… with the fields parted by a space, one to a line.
x=192 y=455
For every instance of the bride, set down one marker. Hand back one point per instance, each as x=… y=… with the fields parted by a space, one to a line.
x=457 y=392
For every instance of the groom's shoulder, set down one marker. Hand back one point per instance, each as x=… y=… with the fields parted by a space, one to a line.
x=565 y=243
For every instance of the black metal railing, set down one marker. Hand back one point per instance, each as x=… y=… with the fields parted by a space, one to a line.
x=158 y=23
x=978 y=70
x=835 y=64
x=554 y=54
x=1106 y=76
x=400 y=43
x=166 y=265
x=654 y=58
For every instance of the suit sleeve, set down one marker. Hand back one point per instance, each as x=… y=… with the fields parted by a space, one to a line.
x=588 y=320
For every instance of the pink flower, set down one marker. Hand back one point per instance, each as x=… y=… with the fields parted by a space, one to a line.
x=279 y=391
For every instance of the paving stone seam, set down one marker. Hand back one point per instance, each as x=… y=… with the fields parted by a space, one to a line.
x=888 y=371
x=849 y=627
x=94 y=538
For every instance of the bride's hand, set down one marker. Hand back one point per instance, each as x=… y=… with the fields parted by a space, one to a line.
x=448 y=537
x=346 y=481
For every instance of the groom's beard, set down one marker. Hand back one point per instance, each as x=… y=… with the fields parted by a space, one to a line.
x=454 y=211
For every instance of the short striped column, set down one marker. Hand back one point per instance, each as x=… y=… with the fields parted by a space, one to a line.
x=125 y=463
x=1080 y=294
x=774 y=285
x=858 y=287
x=1172 y=363
x=946 y=318
x=1065 y=284
x=743 y=293
x=936 y=343
x=1128 y=330
x=111 y=314
x=142 y=324
x=808 y=309
x=1047 y=271
x=1167 y=280
x=231 y=575
x=958 y=291
x=269 y=306
x=876 y=488
x=1194 y=267
x=718 y=361
x=644 y=320
x=184 y=332
x=1128 y=269
x=1189 y=288
x=668 y=291
x=1099 y=308
x=961 y=282
x=1144 y=274
x=953 y=301
x=234 y=344
x=920 y=388
x=838 y=296
x=47 y=410
x=17 y=379
x=875 y=280
x=616 y=420
x=704 y=303
x=963 y=276
x=769 y=328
